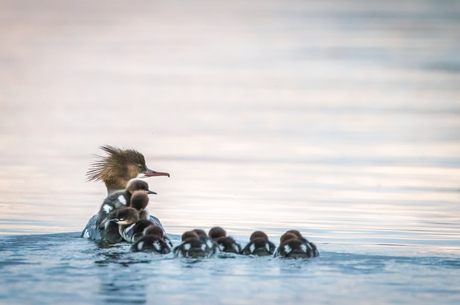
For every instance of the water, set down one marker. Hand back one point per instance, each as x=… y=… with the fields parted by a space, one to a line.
x=80 y=273
x=340 y=120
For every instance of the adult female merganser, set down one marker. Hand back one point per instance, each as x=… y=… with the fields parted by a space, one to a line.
x=294 y=245
x=225 y=243
x=116 y=170
x=259 y=245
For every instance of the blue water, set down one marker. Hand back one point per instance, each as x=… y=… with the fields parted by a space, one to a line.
x=65 y=269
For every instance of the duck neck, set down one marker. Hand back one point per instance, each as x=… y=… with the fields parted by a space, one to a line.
x=115 y=185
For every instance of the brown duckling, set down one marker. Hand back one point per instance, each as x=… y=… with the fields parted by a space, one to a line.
x=259 y=245
x=216 y=232
x=117 y=221
x=156 y=230
x=151 y=243
x=193 y=247
x=224 y=243
x=189 y=234
x=294 y=245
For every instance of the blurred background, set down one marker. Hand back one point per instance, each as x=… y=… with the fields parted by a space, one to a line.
x=340 y=119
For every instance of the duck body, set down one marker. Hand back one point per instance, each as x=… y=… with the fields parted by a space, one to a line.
x=259 y=247
x=228 y=245
x=225 y=244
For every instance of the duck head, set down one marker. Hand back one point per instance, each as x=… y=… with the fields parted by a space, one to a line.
x=216 y=232
x=258 y=234
x=118 y=167
x=125 y=216
x=139 y=200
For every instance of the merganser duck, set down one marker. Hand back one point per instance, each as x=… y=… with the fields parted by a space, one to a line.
x=225 y=243
x=116 y=170
x=294 y=245
x=259 y=245
x=120 y=166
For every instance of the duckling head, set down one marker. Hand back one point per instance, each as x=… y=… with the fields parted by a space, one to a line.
x=258 y=234
x=216 y=232
x=139 y=200
x=154 y=230
x=189 y=234
x=288 y=236
x=126 y=216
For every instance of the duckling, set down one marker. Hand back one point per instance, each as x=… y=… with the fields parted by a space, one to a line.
x=314 y=249
x=151 y=243
x=193 y=247
x=126 y=219
x=116 y=222
x=259 y=245
x=225 y=243
x=139 y=201
x=156 y=230
x=294 y=245
x=120 y=166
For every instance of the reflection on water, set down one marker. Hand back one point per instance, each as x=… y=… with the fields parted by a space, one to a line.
x=339 y=120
